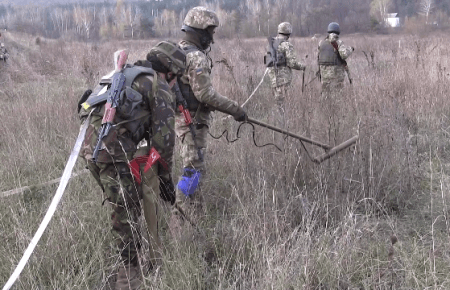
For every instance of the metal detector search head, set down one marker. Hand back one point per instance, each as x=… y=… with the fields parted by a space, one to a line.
x=330 y=151
x=333 y=151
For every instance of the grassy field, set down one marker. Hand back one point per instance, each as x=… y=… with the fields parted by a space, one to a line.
x=373 y=217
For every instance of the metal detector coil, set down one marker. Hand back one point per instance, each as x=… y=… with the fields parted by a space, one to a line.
x=329 y=151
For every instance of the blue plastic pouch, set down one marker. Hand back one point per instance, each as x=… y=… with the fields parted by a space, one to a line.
x=189 y=181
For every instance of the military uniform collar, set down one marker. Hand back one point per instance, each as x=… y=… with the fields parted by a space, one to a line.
x=192 y=40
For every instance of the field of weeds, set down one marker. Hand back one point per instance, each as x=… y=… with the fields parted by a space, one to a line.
x=373 y=217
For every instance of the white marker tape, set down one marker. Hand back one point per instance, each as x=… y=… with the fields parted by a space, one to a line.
x=52 y=208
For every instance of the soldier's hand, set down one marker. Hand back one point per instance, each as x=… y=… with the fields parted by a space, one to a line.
x=353 y=49
x=241 y=115
x=83 y=98
x=167 y=190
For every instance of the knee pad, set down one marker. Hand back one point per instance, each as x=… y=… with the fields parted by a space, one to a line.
x=189 y=181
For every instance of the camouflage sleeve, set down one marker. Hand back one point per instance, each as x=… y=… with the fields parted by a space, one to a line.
x=198 y=71
x=162 y=127
x=291 y=59
x=344 y=51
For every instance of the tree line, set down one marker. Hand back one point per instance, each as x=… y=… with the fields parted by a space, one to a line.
x=247 y=18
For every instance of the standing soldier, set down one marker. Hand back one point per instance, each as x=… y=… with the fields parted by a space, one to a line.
x=285 y=60
x=201 y=98
x=331 y=58
x=146 y=110
x=3 y=52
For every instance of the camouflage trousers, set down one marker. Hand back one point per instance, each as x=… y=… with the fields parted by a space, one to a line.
x=189 y=156
x=332 y=106
x=332 y=78
x=280 y=94
x=331 y=88
x=125 y=196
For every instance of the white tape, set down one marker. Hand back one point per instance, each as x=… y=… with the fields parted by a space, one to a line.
x=50 y=182
x=254 y=91
x=52 y=208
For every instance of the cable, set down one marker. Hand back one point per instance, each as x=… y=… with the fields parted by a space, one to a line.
x=226 y=134
x=238 y=131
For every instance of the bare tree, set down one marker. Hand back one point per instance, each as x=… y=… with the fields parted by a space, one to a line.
x=425 y=7
x=379 y=9
x=84 y=19
x=132 y=15
x=61 y=19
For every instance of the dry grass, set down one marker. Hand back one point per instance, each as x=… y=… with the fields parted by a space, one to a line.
x=272 y=220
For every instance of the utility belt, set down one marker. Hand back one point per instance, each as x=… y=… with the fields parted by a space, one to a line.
x=332 y=63
x=149 y=161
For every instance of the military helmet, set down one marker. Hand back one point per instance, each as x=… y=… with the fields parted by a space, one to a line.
x=334 y=27
x=170 y=55
x=285 y=28
x=200 y=18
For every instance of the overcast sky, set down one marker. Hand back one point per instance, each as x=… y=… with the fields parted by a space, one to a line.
x=49 y=2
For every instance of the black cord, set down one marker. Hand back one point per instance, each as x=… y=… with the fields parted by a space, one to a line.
x=226 y=133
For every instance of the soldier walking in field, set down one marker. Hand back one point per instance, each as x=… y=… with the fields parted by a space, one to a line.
x=201 y=97
x=332 y=69
x=284 y=61
x=3 y=52
x=332 y=61
x=146 y=110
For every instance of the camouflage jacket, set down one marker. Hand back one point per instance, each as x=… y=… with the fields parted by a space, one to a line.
x=328 y=72
x=198 y=75
x=156 y=121
x=282 y=75
x=3 y=53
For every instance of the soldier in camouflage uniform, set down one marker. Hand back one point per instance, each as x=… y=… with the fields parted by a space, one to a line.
x=154 y=121
x=332 y=68
x=331 y=59
x=281 y=73
x=3 y=52
x=202 y=98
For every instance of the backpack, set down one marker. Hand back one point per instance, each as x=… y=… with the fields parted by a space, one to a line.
x=272 y=57
x=129 y=123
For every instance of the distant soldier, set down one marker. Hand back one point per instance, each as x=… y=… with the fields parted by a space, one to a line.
x=280 y=72
x=3 y=52
x=196 y=87
x=146 y=111
x=331 y=59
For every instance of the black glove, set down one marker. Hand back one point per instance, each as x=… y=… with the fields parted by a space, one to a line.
x=83 y=99
x=241 y=116
x=353 y=49
x=167 y=190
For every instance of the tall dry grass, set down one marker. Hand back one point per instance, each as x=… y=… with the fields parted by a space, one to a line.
x=272 y=219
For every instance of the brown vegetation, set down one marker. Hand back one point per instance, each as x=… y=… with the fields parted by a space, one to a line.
x=373 y=217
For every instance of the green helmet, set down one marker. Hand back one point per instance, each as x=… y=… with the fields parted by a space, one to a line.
x=170 y=55
x=333 y=27
x=285 y=28
x=201 y=18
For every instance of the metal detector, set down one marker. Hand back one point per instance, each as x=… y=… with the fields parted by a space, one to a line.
x=329 y=151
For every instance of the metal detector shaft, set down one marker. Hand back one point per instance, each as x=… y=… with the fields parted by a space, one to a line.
x=324 y=146
x=336 y=149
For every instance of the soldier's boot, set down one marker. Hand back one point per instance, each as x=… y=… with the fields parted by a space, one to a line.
x=129 y=277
